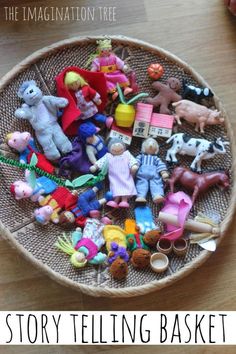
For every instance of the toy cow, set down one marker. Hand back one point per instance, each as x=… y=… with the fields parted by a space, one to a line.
x=202 y=149
x=196 y=113
x=196 y=94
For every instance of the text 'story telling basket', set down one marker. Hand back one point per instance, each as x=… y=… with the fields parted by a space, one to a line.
x=36 y=242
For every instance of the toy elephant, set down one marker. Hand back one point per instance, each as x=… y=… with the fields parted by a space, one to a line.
x=41 y=112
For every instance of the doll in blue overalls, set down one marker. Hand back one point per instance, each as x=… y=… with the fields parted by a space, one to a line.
x=151 y=173
x=95 y=147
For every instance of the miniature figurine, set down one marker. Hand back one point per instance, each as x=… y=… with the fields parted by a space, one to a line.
x=196 y=113
x=121 y=165
x=196 y=94
x=43 y=215
x=161 y=125
x=202 y=149
x=124 y=134
x=198 y=183
x=25 y=145
x=112 y=67
x=151 y=173
x=155 y=71
x=167 y=94
x=41 y=112
x=142 y=120
x=71 y=115
x=95 y=147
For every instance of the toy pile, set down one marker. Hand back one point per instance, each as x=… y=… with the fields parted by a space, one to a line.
x=84 y=172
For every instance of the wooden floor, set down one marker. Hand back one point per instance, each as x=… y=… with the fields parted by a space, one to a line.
x=203 y=34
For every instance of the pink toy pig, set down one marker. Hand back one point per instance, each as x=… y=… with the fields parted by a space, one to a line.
x=21 y=190
x=196 y=113
x=43 y=214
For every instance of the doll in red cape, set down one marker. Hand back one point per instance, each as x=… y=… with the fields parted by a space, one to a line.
x=87 y=95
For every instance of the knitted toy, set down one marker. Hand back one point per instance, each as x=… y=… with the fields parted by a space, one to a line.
x=167 y=94
x=121 y=165
x=90 y=88
x=112 y=66
x=43 y=215
x=25 y=145
x=144 y=219
x=41 y=112
x=151 y=172
x=134 y=239
x=95 y=147
x=140 y=258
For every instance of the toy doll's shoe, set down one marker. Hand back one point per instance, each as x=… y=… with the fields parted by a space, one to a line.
x=106 y=221
x=114 y=96
x=97 y=130
x=95 y=214
x=109 y=122
x=158 y=199
x=124 y=205
x=127 y=90
x=112 y=204
x=140 y=200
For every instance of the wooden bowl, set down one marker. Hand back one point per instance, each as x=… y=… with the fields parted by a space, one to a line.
x=159 y=262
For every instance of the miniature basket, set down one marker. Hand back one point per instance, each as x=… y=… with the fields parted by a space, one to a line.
x=36 y=242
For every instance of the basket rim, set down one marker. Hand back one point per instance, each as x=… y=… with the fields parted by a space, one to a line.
x=195 y=263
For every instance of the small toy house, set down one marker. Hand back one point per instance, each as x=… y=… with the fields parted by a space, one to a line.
x=161 y=125
x=142 y=120
x=125 y=134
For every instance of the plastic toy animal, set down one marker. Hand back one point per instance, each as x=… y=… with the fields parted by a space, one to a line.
x=196 y=94
x=198 y=183
x=41 y=112
x=196 y=113
x=202 y=149
x=43 y=215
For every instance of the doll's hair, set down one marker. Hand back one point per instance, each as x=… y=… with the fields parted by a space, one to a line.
x=72 y=77
x=146 y=143
x=115 y=141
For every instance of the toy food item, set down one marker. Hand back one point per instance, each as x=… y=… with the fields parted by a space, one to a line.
x=151 y=173
x=202 y=149
x=140 y=258
x=198 y=183
x=196 y=113
x=41 y=112
x=167 y=94
x=196 y=94
x=155 y=71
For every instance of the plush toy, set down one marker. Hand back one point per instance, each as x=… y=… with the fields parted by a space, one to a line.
x=112 y=67
x=151 y=173
x=140 y=258
x=25 y=145
x=43 y=215
x=95 y=147
x=121 y=165
x=202 y=149
x=41 y=112
x=167 y=94
x=96 y=84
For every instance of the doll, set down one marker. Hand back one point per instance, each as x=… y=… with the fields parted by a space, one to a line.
x=151 y=172
x=113 y=68
x=121 y=165
x=87 y=99
x=95 y=147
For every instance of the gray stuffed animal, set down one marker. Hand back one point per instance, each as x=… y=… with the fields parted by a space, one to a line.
x=41 y=112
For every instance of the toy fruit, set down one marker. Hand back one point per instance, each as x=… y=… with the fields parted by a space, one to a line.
x=155 y=71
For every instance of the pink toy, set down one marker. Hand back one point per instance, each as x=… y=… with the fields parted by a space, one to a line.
x=43 y=214
x=124 y=134
x=196 y=113
x=21 y=190
x=142 y=120
x=161 y=125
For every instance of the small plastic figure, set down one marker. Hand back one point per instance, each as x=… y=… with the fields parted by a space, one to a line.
x=202 y=149
x=121 y=166
x=112 y=67
x=196 y=113
x=95 y=147
x=196 y=94
x=151 y=173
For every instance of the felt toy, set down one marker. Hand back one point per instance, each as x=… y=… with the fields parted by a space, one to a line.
x=202 y=149
x=43 y=215
x=134 y=239
x=114 y=233
x=167 y=94
x=119 y=269
x=117 y=251
x=197 y=114
x=121 y=165
x=75 y=161
x=140 y=258
x=144 y=219
x=23 y=189
x=151 y=173
x=41 y=112
x=196 y=94
x=72 y=113
x=151 y=237
x=95 y=147
x=25 y=145
x=155 y=71
x=198 y=183
x=112 y=66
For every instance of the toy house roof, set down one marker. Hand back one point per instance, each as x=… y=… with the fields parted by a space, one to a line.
x=162 y=120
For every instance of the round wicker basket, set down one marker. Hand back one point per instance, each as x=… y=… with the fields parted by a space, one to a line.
x=35 y=242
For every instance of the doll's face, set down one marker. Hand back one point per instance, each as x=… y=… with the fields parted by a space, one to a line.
x=75 y=86
x=90 y=139
x=105 y=52
x=117 y=149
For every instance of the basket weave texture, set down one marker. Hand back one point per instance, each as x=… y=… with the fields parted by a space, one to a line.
x=36 y=242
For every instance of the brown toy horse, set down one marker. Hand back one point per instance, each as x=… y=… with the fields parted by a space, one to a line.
x=196 y=182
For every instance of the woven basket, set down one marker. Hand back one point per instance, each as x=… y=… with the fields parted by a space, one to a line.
x=36 y=242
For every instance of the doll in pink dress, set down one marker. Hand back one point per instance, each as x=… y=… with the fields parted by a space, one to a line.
x=121 y=168
x=112 y=67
